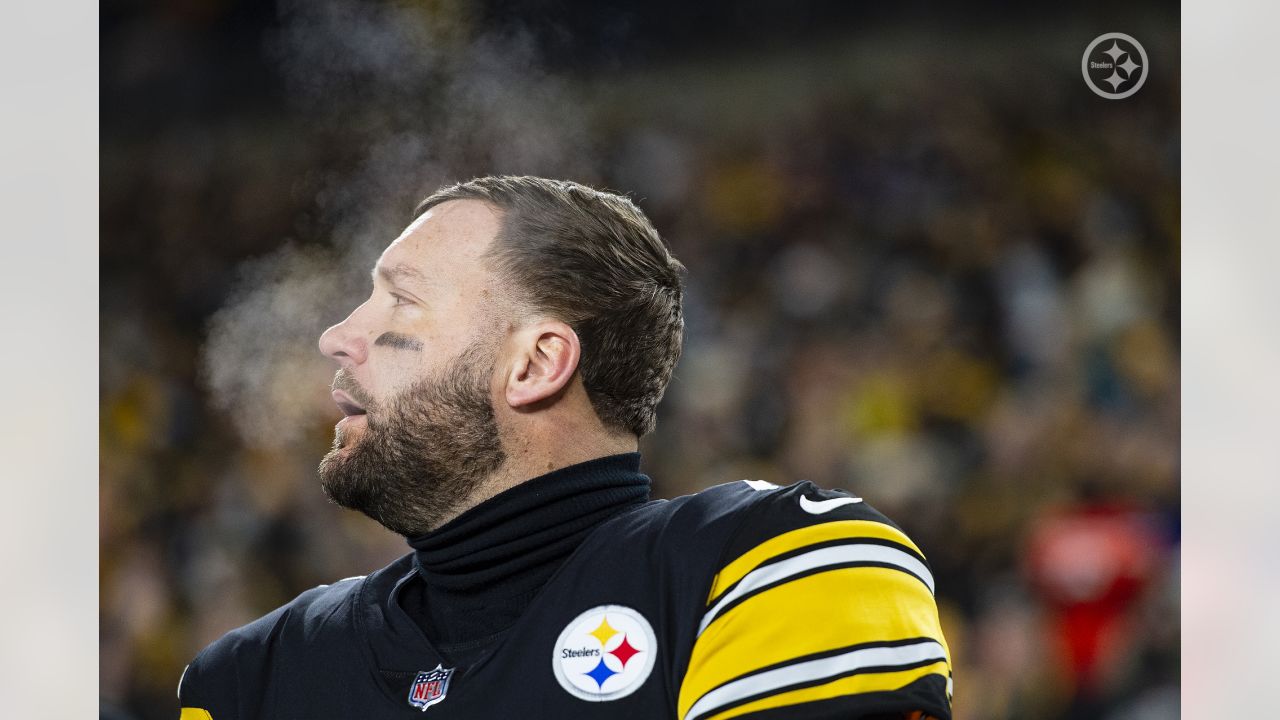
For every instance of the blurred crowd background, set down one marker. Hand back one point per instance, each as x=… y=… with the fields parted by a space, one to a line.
x=926 y=264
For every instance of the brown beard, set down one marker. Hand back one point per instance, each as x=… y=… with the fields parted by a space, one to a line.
x=423 y=455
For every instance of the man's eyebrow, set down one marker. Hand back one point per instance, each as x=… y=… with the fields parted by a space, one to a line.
x=397 y=274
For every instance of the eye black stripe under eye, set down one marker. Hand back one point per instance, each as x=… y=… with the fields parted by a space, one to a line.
x=399 y=341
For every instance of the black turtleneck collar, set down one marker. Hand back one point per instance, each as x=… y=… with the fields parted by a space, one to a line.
x=487 y=564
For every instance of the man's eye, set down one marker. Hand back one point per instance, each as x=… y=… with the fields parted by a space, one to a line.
x=401 y=300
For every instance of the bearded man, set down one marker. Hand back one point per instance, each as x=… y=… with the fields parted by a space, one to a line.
x=495 y=384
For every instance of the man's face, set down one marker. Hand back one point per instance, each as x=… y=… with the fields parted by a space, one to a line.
x=415 y=378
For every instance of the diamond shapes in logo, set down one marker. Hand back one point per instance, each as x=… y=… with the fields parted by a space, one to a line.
x=624 y=652
x=600 y=673
x=1114 y=66
x=605 y=653
x=604 y=632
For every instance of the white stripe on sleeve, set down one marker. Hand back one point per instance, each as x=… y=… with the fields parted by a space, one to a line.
x=815 y=670
x=822 y=557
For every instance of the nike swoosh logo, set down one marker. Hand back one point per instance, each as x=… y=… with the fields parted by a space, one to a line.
x=818 y=507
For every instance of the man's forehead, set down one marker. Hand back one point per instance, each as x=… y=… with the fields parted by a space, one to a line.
x=461 y=221
x=453 y=233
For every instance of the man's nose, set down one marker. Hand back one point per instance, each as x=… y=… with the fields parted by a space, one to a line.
x=344 y=344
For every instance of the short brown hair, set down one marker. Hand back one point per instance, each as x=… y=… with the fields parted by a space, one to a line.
x=592 y=259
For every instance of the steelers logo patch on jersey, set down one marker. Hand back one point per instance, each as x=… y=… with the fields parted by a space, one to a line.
x=606 y=653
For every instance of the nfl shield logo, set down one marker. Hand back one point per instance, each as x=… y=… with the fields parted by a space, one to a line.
x=429 y=687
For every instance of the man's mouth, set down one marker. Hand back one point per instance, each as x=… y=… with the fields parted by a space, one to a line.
x=346 y=404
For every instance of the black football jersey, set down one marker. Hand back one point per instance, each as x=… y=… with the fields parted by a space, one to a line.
x=746 y=600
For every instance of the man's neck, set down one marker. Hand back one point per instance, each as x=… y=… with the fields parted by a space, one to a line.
x=531 y=460
x=480 y=572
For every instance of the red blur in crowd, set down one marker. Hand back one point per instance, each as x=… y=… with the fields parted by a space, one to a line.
x=1090 y=564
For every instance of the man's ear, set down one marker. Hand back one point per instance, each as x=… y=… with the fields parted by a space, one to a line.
x=544 y=360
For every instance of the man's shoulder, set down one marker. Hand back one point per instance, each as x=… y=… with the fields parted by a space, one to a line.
x=316 y=621
x=745 y=510
x=315 y=612
x=695 y=522
x=800 y=524
x=772 y=509
x=705 y=531
x=817 y=603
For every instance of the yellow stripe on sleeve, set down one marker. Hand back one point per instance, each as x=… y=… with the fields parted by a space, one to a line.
x=825 y=611
x=852 y=685
x=189 y=713
x=796 y=539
